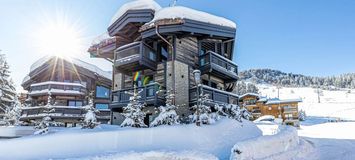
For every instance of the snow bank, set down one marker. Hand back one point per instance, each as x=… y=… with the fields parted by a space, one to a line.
x=15 y=131
x=153 y=155
x=265 y=146
x=135 y=5
x=216 y=139
x=188 y=13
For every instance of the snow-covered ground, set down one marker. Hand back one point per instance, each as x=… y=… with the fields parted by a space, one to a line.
x=337 y=104
x=106 y=142
x=320 y=136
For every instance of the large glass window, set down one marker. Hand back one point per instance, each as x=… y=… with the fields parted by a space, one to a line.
x=75 y=103
x=102 y=92
x=101 y=106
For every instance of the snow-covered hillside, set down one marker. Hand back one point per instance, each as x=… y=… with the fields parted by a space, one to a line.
x=336 y=104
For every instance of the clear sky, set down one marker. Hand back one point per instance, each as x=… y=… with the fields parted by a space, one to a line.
x=312 y=37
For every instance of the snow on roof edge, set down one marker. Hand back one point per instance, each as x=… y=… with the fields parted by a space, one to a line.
x=135 y=5
x=75 y=61
x=192 y=14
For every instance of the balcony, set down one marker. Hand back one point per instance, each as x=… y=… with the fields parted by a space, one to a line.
x=148 y=95
x=216 y=95
x=57 y=88
x=104 y=46
x=218 y=66
x=61 y=112
x=134 y=57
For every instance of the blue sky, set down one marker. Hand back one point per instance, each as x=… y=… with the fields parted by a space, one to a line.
x=300 y=36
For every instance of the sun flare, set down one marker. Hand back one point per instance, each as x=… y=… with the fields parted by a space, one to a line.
x=59 y=39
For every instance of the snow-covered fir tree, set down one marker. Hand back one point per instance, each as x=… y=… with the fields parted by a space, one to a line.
x=7 y=88
x=302 y=115
x=275 y=77
x=167 y=115
x=202 y=113
x=12 y=115
x=46 y=121
x=90 y=120
x=243 y=87
x=133 y=111
x=237 y=113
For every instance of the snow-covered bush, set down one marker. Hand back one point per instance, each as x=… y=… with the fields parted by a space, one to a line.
x=302 y=115
x=90 y=120
x=237 y=113
x=202 y=113
x=46 y=121
x=133 y=111
x=167 y=115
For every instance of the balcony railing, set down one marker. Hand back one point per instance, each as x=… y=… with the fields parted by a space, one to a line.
x=148 y=95
x=135 y=56
x=61 y=112
x=57 y=88
x=216 y=95
x=218 y=66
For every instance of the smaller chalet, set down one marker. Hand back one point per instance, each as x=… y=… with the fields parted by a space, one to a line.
x=69 y=81
x=287 y=109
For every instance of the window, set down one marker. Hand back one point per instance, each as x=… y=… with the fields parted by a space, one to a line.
x=74 y=103
x=101 y=106
x=102 y=92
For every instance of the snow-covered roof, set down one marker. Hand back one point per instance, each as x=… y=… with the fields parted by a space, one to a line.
x=75 y=61
x=249 y=94
x=135 y=5
x=192 y=14
x=278 y=101
x=57 y=83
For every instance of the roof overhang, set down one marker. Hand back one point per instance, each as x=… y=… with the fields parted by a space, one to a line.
x=129 y=20
x=187 y=26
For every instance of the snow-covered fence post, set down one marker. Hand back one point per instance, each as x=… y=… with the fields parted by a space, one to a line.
x=167 y=115
x=90 y=121
x=42 y=126
x=134 y=114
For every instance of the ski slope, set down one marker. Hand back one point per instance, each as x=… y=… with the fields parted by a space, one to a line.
x=336 y=104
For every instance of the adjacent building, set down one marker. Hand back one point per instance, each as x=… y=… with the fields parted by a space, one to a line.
x=159 y=48
x=68 y=81
x=287 y=109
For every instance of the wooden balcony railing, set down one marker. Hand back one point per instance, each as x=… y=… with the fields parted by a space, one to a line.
x=64 y=88
x=219 y=66
x=148 y=95
x=135 y=56
x=216 y=95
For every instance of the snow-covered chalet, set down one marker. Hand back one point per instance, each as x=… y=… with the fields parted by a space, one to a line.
x=154 y=48
x=68 y=81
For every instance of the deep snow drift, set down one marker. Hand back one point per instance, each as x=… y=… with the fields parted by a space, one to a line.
x=216 y=139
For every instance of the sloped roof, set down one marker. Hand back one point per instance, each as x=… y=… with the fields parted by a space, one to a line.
x=278 y=101
x=75 y=61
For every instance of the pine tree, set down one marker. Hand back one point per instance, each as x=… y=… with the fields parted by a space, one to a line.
x=202 y=113
x=302 y=115
x=12 y=116
x=167 y=115
x=7 y=88
x=134 y=114
x=90 y=121
x=42 y=126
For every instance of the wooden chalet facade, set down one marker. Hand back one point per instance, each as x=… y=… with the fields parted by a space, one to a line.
x=165 y=50
x=69 y=81
x=286 y=109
